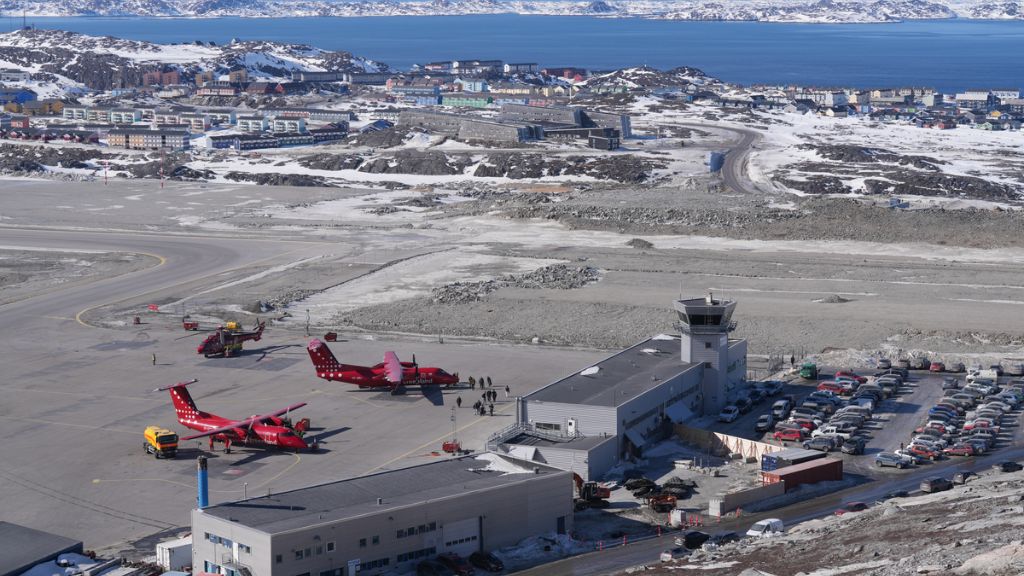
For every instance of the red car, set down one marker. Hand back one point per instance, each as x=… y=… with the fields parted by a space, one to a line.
x=852 y=507
x=805 y=424
x=923 y=451
x=959 y=450
x=851 y=374
x=790 y=434
x=982 y=424
x=833 y=387
x=934 y=426
x=456 y=564
x=937 y=367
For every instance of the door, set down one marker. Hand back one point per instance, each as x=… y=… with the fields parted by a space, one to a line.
x=462 y=537
x=571 y=427
x=561 y=525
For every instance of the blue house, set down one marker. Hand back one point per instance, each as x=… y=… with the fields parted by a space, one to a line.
x=16 y=95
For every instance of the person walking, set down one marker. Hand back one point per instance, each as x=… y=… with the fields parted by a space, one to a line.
x=792 y=361
x=489 y=382
x=482 y=382
x=508 y=391
x=491 y=408
x=154 y=358
x=458 y=401
x=472 y=383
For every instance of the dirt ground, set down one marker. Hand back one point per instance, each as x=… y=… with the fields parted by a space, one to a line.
x=24 y=273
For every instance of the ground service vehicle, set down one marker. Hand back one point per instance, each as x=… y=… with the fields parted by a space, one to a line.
x=766 y=528
x=160 y=442
x=809 y=371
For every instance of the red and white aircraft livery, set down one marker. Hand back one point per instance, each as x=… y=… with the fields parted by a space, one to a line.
x=264 y=430
x=391 y=373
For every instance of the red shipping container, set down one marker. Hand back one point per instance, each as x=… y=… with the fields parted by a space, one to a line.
x=810 y=472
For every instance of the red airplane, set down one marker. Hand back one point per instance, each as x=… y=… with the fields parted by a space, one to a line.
x=264 y=430
x=226 y=342
x=390 y=373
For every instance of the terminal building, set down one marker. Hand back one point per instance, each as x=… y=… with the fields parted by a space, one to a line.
x=386 y=522
x=591 y=420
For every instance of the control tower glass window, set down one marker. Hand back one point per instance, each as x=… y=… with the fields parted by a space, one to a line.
x=704 y=319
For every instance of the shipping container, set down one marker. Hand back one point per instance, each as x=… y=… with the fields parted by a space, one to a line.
x=788 y=457
x=811 y=472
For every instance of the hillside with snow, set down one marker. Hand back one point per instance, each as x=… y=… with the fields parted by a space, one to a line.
x=821 y=11
x=70 y=59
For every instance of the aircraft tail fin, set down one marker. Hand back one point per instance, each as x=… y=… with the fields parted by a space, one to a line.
x=184 y=405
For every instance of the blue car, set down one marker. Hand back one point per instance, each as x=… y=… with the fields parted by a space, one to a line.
x=890 y=459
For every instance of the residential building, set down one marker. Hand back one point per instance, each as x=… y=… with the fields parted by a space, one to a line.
x=260 y=88
x=205 y=76
x=311 y=114
x=320 y=77
x=611 y=411
x=218 y=88
x=196 y=121
x=469 y=128
x=173 y=91
x=148 y=139
x=975 y=100
x=238 y=76
x=1006 y=93
x=932 y=100
x=252 y=123
x=331 y=133
x=294 y=139
x=14 y=75
x=567 y=72
x=368 y=78
x=385 y=522
x=1014 y=105
x=45 y=107
x=511 y=88
x=476 y=67
x=524 y=68
x=75 y=112
x=222 y=116
x=17 y=95
x=297 y=125
x=467 y=100
x=471 y=85
x=124 y=116
x=162 y=77
x=824 y=98
x=15 y=121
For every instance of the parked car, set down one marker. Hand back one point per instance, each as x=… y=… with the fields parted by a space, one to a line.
x=851 y=374
x=780 y=409
x=486 y=561
x=936 y=367
x=789 y=434
x=729 y=414
x=962 y=476
x=956 y=367
x=774 y=387
x=724 y=538
x=671 y=554
x=764 y=423
x=693 y=539
x=959 y=449
x=883 y=459
x=853 y=446
x=852 y=507
x=823 y=443
x=744 y=405
x=433 y=568
x=766 y=528
x=924 y=451
x=897 y=494
x=808 y=425
x=929 y=485
x=806 y=412
x=456 y=564
x=756 y=395
x=1008 y=466
x=950 y=383
x=833 y=386
x=884 y=363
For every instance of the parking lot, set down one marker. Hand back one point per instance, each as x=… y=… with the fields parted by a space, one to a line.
x=893 y=422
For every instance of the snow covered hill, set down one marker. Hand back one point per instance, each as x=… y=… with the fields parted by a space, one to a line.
x=106 y=62
x=753 y=10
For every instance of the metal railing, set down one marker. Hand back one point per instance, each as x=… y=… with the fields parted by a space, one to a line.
x=513 y=430
x=705 y=328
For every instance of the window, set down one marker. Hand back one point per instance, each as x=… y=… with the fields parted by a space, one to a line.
x=330 y=546
x=400 y=534
x=707 y=344
x=298 y=554
x=210 y=567
x=432 y=526
x=225 y=542
x=244 y=548
x=707 y=364
x=375 y=564
x=319 y=550
x=547 y=426
x=278 y=559
x=376 y=540
x=335 y=572
x=309 y=552
x=304 y=574
x=362 y=542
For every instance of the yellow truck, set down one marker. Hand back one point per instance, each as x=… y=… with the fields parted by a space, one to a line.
x=161 y=442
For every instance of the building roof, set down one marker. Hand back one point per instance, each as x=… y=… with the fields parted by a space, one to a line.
x=356 y=497
x=621 y=377
x=22 y=547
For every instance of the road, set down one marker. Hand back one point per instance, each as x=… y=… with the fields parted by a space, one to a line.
x=734 y=171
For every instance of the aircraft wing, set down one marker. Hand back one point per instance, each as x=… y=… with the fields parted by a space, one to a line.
x=245 y=423
x=392 y=368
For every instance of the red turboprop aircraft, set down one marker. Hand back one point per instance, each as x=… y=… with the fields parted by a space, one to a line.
x=390 y=373
x=264 y=430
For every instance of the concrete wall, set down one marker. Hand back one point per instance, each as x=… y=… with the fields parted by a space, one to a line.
x=556 y=114
x=728 y=503
x=736 y=367
x=505 y=515
x=589 y=464
x=724 y=444
x=644 y=413
x=620 y=122
x=714 y=359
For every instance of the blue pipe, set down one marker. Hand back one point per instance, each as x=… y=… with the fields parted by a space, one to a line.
x=204 y=492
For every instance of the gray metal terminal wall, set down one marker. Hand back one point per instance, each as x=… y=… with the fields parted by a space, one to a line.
x=384 y=522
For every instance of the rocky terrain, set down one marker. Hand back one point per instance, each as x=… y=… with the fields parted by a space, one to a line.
x=747 y=10
x=973 y=529
x=102 y=63
x=558 y=277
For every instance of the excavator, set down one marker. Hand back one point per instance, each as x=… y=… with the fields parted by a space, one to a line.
x=589 y=494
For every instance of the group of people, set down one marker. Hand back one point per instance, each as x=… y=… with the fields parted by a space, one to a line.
x=484 y=382
x=485 y=405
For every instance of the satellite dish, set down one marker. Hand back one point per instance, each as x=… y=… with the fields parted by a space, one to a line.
x=590 y=371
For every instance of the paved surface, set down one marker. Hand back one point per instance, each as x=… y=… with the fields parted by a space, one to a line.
x=77 y=398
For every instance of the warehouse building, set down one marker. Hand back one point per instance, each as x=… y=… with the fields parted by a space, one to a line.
x=468 y=128
x=386 y=522
x=22 y=547
x=590 y=420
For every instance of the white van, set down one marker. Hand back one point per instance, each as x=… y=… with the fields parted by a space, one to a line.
x=766 y=528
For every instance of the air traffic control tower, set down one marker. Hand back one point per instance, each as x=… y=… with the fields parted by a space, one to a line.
x=705 y=324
